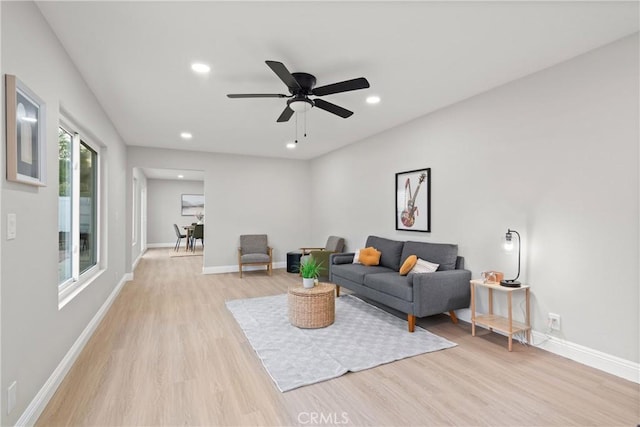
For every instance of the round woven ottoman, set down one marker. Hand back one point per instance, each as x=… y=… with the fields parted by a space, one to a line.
x=313 y=307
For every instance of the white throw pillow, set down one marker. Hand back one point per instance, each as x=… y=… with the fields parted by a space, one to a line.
x=356 y=257
x=423 y=266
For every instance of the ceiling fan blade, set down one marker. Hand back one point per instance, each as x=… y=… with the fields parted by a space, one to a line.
x=284 y=74
x=345 y=86
x=332 y=108
x=286 y=115
x=257 y=95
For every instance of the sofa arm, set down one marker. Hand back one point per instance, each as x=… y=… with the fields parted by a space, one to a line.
x=440 y=291
x=341 y=258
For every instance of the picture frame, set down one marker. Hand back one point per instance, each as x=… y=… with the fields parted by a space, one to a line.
x=26 y=133
x=413 y=208
x=192 y=204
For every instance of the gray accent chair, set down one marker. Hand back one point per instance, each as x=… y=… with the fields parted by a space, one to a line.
x=417 y=295
x=334 y=244
x=254 y=250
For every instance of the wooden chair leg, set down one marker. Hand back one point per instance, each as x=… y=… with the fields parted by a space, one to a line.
x=411 y=319
x=454 y=318
x=337 y=291
x=240 y=269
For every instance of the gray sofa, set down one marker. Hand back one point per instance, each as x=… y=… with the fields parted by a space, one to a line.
x=417 y=295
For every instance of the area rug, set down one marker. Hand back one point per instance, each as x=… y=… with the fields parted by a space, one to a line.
x=362 y=337
x=183 y=253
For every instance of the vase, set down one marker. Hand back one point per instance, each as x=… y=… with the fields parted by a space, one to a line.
x=308 y=283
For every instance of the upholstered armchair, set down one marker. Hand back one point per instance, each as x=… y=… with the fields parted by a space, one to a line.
x=321 y=255
x=254 y=250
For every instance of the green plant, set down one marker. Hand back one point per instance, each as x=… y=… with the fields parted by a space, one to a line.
x=310 y=269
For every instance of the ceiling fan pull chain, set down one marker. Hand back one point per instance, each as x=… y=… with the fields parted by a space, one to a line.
x=296 y=128
x=305 y=125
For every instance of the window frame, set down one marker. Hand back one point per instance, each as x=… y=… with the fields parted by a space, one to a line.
x=78 y=281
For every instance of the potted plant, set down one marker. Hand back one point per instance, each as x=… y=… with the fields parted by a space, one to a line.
x=310 y=270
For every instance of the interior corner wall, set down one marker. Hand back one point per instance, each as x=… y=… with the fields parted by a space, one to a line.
x=553 y=155
x=165 y=208
x=243 y=195
x=35 y=334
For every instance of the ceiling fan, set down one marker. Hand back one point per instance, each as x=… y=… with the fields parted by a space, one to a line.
x=301 y=86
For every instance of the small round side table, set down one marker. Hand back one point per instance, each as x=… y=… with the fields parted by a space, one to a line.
x=312 y=307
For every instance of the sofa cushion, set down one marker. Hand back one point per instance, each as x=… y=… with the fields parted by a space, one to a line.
x=390 y=249
x=356 y=272
x=369 y=256
x=408 y=264
x=423 y=266
x=439 y=253
x=391 y=284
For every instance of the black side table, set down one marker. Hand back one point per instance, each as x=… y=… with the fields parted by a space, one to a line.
x=293 y=261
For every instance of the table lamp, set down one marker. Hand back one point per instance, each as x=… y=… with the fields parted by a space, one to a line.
x=508 y=245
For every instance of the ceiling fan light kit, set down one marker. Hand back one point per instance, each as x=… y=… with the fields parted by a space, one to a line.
x=300 y=105
x=301 y=86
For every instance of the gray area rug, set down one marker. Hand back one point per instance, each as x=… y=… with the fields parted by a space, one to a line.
x=362 y=337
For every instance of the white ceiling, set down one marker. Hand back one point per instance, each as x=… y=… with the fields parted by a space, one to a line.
x=418 y=57
x=173 y=174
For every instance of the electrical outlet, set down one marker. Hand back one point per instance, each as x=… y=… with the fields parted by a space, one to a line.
x=554 y=321
x=11 y=226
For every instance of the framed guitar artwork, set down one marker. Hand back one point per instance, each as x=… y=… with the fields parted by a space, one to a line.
x=413 y=200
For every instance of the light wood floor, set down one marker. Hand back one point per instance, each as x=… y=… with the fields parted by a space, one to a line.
x=169 y=353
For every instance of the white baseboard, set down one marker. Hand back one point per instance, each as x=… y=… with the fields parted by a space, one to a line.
x=234 y=268
x=587 y=356
x=135 y=263
x=40 y=401
x=608 y=363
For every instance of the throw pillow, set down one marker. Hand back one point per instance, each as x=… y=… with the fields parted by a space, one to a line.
x=423 y=266
x=370 y=256
x=356 y=257
x=408 y=264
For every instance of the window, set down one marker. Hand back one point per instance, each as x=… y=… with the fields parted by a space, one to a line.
x=78 y=219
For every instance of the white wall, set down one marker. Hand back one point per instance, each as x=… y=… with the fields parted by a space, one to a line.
x=138 y=217
x=35 y=334
x=243 y=195
x=554 y=156
x=164 y=198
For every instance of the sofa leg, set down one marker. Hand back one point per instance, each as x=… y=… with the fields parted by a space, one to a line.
x=454 y=318
x=411 y=319
x=337 y=291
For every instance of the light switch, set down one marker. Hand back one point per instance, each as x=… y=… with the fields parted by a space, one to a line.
x=11 y=226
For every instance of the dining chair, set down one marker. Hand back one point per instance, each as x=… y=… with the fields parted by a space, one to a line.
x=180 y=237
x=197 y=234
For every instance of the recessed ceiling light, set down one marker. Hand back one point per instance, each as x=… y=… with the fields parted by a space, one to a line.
x=373 y=99
x=186 y=135
x=291 y=145
x=180 y=176
x=200 y=68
